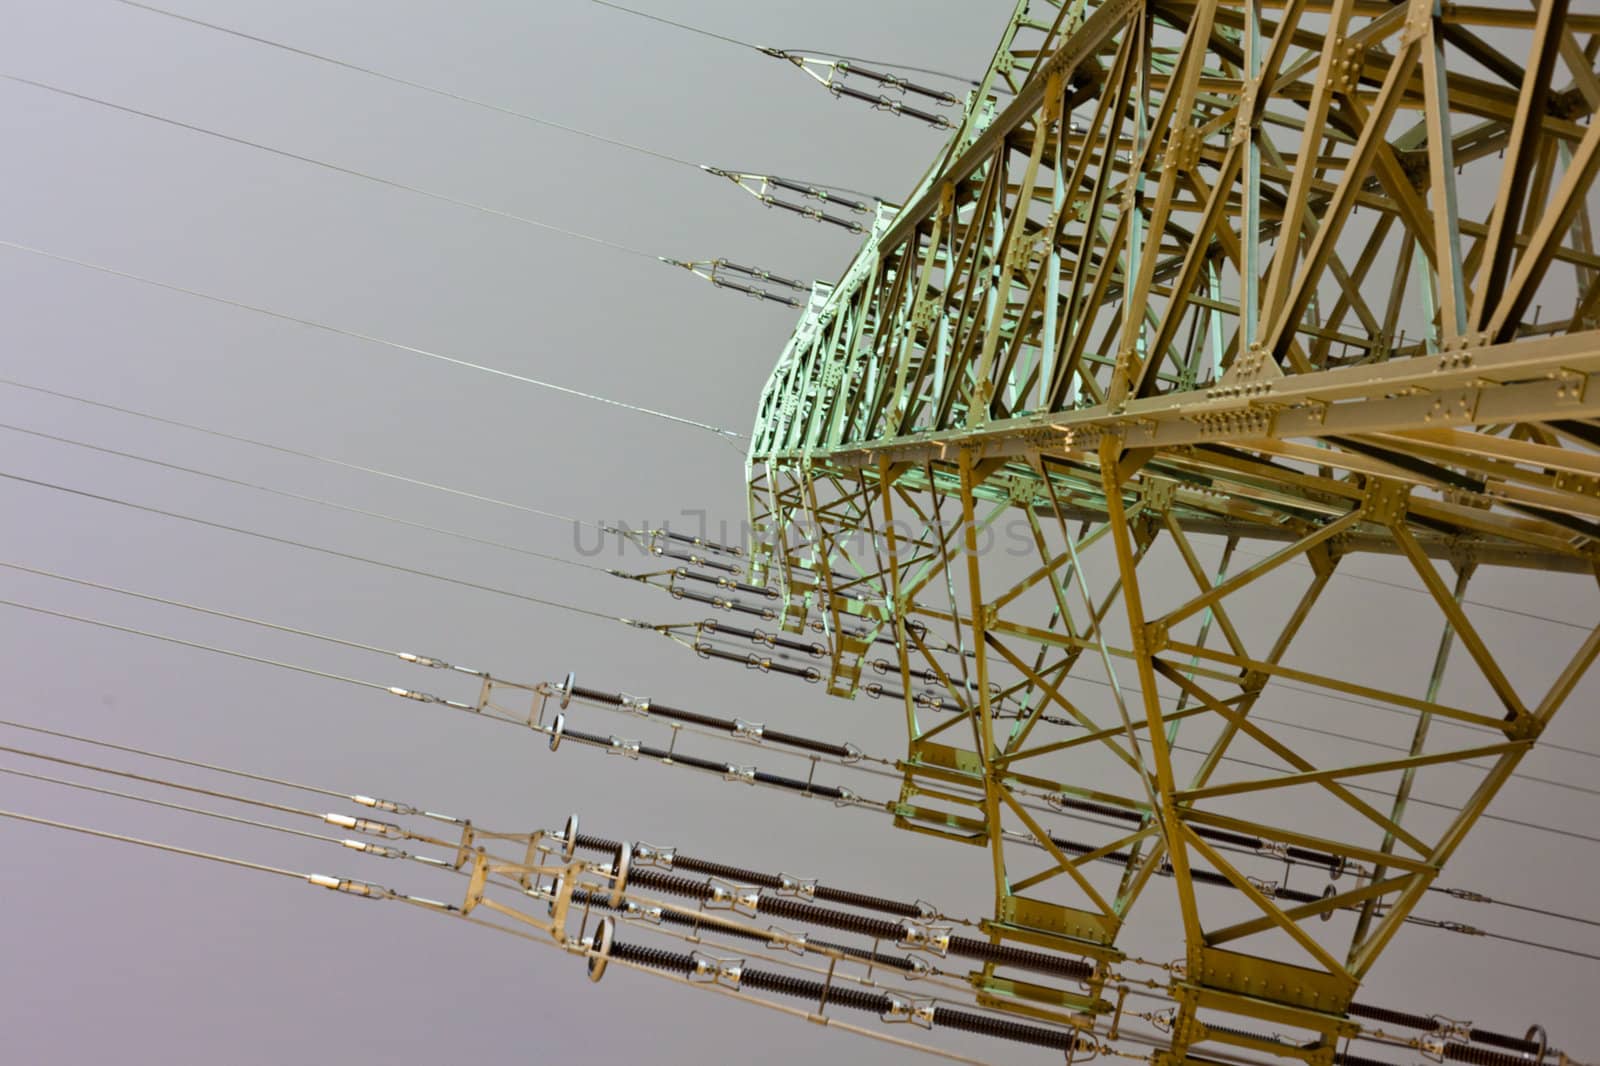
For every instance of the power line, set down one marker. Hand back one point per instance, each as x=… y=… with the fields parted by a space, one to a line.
x=1538 y=826
x=162 y=783
x=314 y=547
x=764 y=49
x=348 y=171
x=175 y=759
x=1194 y=751
x=1340 y=572
x=487 y=105
x=686 y=27
x=172 y=848
x=305 y=499
x=298 y=453
x=1313 y=691
x=368 y=338
x=410 y=84
x=197 y=608
x=250 y=822
x=196 y=645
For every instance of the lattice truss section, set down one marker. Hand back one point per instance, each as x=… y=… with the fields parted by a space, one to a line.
x=1226 y=291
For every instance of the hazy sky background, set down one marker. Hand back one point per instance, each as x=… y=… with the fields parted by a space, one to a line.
x=118 y=953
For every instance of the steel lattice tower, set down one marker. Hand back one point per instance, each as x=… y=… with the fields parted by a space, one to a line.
x=1309 y=274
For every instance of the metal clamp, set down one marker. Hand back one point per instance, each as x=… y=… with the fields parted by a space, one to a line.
x=365 y=825
x=639 y=705
x=787 y=939
x=1266 y=888
x=916 y=1011
x=639 y=912
x=747 y=774
x=726 y=972
x=654 y=855
x=804 y=888
x=375 y=849
x=725 y=895
x=748 y=730
x=922 y=936
x=620 y=746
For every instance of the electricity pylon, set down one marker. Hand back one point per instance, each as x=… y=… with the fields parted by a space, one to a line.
x=1312 y=273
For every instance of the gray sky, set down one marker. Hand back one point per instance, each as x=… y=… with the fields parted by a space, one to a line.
x=150 y=958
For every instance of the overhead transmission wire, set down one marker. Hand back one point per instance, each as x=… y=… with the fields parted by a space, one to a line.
x=1420 y=801
x=466 y=494
x=1242 y=761
x=1402 y=586
x=227 y=860
x=392 y=183
x=632 y=956
x=301 y=454
x=366 y=338
x=693 y=29
x=80 y=786
x=336 y=167
x=289 y=542
x=340 y=330
x=375 y=685
x=765 y=49
x=511 y=112
x=176 y=760
x=547 y=556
